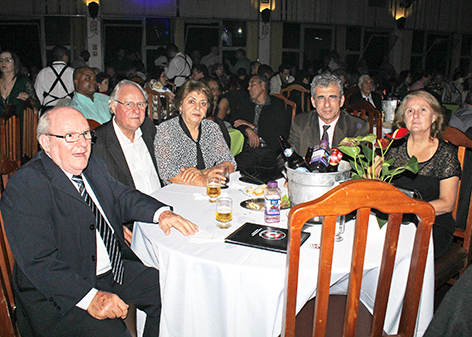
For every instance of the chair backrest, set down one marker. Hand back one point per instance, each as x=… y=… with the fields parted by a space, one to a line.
x=93 y=123
x=10 y=137
x=158 y=104
x=361 y=195
x=288 y=103
x=367 y=111
x=460 y=139
x=7 y=301
x=30 y=125
x=304 y=103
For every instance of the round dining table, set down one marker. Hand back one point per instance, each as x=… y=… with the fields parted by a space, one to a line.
x=213 y=288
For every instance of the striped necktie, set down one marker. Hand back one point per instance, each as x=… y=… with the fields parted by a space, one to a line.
x=112 y=245
x=325 y=133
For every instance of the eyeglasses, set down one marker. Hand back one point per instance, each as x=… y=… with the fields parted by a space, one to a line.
x=131 y=105
x=73 y=137
x=322 y=99
x=7 y=60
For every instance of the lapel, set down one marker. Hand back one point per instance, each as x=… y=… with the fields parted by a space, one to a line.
x=116 y=152
x=340 y=130
x=58 y=178
x=313 y=130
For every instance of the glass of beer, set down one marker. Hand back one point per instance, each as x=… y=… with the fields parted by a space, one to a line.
x=224 y=212
x=213 y=188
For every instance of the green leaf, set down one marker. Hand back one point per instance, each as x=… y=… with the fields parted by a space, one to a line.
x=355 y=176
x=381 y=222
x=367 y=151
x=413 y=165
x=349 y=150
x=369 y=138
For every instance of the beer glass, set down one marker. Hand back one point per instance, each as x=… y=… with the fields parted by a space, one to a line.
x=213 y=188
x=225 y=173
x=340 y=227
x=224 y=212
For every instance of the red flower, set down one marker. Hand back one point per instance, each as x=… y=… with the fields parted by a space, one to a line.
x=398 y=134
x=382 y=143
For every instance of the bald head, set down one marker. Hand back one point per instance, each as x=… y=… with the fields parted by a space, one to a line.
x=64 y=134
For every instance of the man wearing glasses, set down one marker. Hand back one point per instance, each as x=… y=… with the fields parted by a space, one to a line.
x=327 y=121
x=87 y=100
x=63 y=212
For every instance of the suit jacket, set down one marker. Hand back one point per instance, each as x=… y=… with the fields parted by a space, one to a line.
x=108 y=148
x=52 y=232
x=357 y=96
x=305 y=130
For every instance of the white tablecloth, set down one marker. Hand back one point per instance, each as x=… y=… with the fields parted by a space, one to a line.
x=210 y=288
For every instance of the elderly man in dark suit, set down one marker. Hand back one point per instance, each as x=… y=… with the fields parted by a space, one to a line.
x=63 y=213
x=125 y=143
x=328 y=121
x=366 y=93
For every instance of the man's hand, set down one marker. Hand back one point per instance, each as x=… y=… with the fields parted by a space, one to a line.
x=128 y=235
x=107 y=305
x=253 y=137
x=169 y=219
x=239 y=122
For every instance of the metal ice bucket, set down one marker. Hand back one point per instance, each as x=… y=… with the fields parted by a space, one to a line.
x=303 y=186
x=389 y=107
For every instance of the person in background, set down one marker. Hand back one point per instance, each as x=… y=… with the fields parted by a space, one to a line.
x=87 y=100
x=440 y=170
x=180 y=66
x=158 y=82
x=367 y=93
x=102 y=80
x=254 y=67
x=189 y=148
x=241 y=62
x=421 y=80
x=212 y=58
x=462 y=118
x=15 y=85
x=402 y=85
x=200 y=71
x=81 y=60
x=261 y=118
x=55 y=82
x=281 y=79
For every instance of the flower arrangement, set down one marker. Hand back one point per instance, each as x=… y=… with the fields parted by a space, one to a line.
x=366 y=161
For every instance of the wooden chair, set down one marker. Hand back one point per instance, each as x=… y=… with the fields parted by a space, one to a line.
x=93 y=123
x=288 y=103
x=361 y=195
x=7 y=301
x=156 y=106
x=10 y=137
x=367 y=111
x=29 y=132
x=458 y=257
x=303 y=99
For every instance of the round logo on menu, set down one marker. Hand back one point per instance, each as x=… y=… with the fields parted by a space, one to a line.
x=272 y=234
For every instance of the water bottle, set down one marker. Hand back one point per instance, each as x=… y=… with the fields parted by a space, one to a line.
x=272 y=196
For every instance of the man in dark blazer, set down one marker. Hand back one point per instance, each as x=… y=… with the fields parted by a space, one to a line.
x=63 y=278
x=327 y=98
x=366 y=93
x=128 y=134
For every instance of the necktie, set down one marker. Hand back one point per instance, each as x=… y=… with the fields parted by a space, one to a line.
x=106 y=233
x=325 y=133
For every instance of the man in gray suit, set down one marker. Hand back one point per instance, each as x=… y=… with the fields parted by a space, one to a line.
x=327 y=121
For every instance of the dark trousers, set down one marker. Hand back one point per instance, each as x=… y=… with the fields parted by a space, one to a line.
x=140 y=287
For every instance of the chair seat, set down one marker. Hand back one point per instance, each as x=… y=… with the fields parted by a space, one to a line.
x=449 y=264
x=336 y=311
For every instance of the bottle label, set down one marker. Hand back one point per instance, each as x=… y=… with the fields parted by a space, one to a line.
x=272 y=206
x=288 y=152
x=320 y=155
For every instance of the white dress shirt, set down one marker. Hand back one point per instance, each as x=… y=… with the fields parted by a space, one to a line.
x=46 y=78
x=139 y=161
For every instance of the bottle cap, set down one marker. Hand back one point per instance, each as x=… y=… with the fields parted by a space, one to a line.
x=272 y=183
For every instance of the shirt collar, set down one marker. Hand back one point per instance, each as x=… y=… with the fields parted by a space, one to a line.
x=121 y=136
